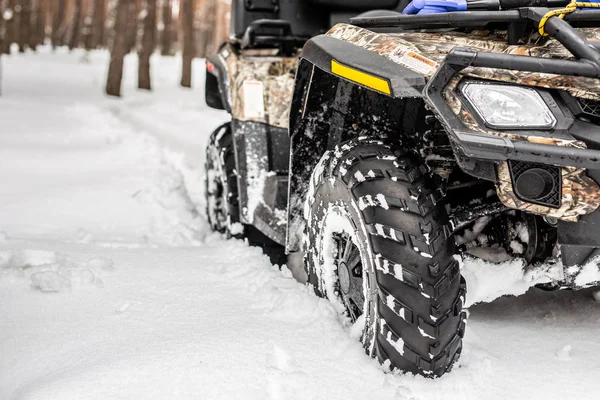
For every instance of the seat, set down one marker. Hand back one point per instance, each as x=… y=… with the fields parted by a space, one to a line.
x=287 y=24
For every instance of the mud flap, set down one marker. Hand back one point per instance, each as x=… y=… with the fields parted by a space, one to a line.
x=262 y=154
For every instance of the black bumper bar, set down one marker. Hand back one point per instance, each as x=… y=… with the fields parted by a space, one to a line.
x=475 y=145
x=495 y=148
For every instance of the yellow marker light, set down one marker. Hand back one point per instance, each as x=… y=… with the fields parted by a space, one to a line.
x=354 y=75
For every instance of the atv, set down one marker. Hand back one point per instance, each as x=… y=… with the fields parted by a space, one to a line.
x=384 y=149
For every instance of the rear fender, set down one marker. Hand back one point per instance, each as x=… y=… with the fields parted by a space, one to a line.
x=257 y=89
x=217 y=89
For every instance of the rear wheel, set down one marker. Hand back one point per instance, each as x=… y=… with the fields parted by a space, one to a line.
x=222 y=207
x=377 y=245
x=222 y=201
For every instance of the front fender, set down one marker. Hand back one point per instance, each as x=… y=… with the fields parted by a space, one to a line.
x=330 y=107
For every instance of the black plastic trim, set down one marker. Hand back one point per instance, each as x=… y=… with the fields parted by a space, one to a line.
x=589 y=58
x=220 y=72
x=495 y=148
x=404 y=82
x=580 y=19
x=472 y=144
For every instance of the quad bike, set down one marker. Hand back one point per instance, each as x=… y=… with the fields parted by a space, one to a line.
x=385 y=148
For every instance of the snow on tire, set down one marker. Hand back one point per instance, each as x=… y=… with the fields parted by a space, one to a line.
x=222 y=209
x=369 y=202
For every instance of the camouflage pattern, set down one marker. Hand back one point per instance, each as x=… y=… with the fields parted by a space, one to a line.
x=435 y=46
x=580 y=195
x=276 y=75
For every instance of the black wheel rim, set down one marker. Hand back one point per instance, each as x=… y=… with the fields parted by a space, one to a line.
x=349 y=286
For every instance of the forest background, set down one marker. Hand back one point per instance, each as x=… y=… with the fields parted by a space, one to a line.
x=191 y=28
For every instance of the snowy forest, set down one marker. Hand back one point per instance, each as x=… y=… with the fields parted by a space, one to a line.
x=193 y=27
x=279 y=207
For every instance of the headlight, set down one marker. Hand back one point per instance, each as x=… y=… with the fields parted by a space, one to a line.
x=506 y=106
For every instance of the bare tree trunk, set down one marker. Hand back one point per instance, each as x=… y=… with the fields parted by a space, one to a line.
x=25 y=23
x=54 y=21
x=221 y=25
x=75 y=26
x=2 y=27
x=2 y=7
x=148 y=45
x=33 y=24
x=40 y=23
x=175 y=29
x=207 y=27
x=187 y=30
x=200 y=17
x=16 y=27
x=59 y=8
x=98 y=23
x=167 y=33
x=132 y=26
x=9 y=19
x=119 y=48
x=86 y=30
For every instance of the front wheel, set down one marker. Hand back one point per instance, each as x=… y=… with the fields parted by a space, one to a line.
x=378 y=247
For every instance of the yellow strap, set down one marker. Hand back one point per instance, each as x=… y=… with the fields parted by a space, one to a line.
x=574 y=5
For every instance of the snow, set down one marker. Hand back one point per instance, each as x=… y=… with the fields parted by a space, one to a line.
x=112 y=286
x=588 y=273
x=369 y=201
x=50 y=281
x=487 y=281
x=336 y=220
x=397 y=344
x=564 y=353
x=359 y=176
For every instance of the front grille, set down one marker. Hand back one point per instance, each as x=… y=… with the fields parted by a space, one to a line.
x=550 y=199
x=589 y=107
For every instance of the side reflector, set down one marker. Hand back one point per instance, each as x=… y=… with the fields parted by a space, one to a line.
x=354 y=75
x=210 y=67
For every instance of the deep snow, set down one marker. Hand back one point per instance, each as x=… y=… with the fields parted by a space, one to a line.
x=112 y=286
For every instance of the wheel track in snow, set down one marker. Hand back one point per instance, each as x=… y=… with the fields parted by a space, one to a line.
x=182 y=222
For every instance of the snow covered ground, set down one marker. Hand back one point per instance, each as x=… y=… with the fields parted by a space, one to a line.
x=112 y=286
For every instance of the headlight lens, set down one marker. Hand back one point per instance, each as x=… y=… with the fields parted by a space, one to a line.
x=506 y=106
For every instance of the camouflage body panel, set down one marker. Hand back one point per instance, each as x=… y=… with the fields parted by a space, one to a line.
x=435 y=46
x=580 y=195
x=276 y=78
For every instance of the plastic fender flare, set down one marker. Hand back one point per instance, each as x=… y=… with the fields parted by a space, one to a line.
x=219 y=70
x=325 y=51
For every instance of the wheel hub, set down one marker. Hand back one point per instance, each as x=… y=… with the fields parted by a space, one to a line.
x=350 y=275
x=344 y=277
